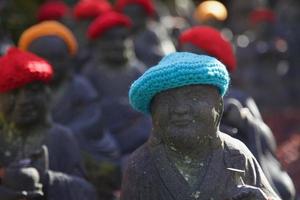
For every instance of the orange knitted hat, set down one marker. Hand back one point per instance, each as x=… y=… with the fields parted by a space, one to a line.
x=48 y=28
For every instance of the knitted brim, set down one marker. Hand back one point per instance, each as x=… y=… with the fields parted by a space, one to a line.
x=177 y=70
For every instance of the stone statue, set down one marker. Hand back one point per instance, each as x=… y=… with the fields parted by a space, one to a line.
x=187 y=157
x=26 y=127
x=146 y=31
x=84 y=12
x=111 y=72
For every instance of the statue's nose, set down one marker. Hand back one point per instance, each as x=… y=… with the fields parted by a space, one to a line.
x=181 y=109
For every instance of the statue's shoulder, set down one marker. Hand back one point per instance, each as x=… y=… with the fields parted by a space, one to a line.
x=234 y=145
x=236 y=153
x=82 y=88
x=140 y=158
x=60 y=135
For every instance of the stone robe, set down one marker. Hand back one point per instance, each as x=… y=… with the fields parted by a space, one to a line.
x=65 y=176
x=118 y=116
x=77 y=107
x=151 y=175
x=259 y=139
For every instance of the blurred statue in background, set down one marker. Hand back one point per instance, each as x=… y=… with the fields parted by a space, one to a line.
x=113 y=68
x=241 y=118
x=150 y=39
x=29 y=137
x=84 y=12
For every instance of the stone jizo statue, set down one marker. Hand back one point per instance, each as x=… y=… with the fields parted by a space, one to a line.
x=26 y=127
x=187 y=157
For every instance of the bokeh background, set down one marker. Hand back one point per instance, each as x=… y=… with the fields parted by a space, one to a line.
x=267 y=49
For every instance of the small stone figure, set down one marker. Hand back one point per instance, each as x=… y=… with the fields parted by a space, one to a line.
x=111 y=72
x=26 y=128
x=147 y=32
x=241 y=118
x=187 y=157
x=84 y=13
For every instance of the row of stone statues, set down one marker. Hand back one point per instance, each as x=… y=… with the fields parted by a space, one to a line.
x=69 y=130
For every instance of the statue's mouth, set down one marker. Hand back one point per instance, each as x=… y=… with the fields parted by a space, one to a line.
x=181 y=122
x=28 y=110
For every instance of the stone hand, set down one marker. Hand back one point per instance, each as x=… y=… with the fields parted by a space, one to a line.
x=10 y=194
x=22 y=183
x=248 y=192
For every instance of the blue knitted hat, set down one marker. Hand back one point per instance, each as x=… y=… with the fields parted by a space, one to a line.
x=176 y=70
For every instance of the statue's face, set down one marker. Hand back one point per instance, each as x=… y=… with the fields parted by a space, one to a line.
x=138 y=16
x=188 y=114
x=115 y=46
x=79 y=30
x=56 y=52
x=25 y=106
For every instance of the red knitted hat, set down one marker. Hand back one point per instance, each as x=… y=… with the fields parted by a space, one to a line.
x=262 y=15
x=212 y=42
x=90 y=9
x=18 y=68
x=146 y=4
x=106 y=22
x=52 y=10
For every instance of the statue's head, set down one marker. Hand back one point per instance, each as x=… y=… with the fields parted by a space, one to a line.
x=53 y=42
x=183 y=94
x=84 y=13
x=56 y=10
x=52 y=10
x=110 y=34
x=206 y=40
x=138 y=10
x=239 y=12
x=262 y=21
x=23 y=90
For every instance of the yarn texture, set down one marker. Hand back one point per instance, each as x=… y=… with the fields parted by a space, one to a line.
x=106 y=22
x=19 y=68
x=52 y=10
x=177 y=70
x=48 y=28
x=211 y=41
x=90 y=9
